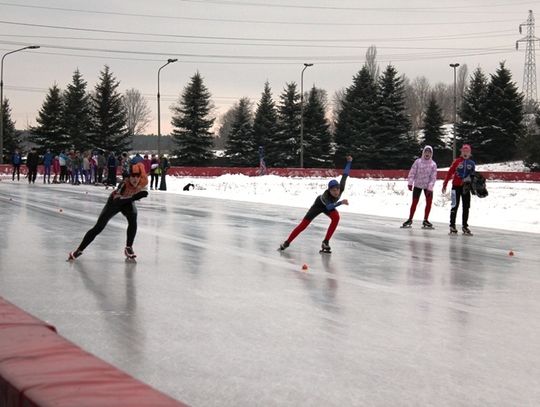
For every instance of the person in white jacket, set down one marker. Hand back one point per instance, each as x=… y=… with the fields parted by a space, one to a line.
x=422 y=177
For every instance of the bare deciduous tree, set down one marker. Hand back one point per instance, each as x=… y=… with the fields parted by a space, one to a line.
x=417 y=94
x=138 y=112
x=371 y=62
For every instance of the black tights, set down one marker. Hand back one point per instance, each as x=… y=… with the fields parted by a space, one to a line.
x=457 y=194
x=112 y=207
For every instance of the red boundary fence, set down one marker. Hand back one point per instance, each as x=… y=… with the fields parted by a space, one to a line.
x=316 y=172
x=39 y=368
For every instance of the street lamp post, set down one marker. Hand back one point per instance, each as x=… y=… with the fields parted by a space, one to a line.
x=169 y=61
x=2 y=98
x=454 y=147
x=302 y=115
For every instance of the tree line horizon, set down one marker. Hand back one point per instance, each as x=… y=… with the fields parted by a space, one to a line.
x=382 y=119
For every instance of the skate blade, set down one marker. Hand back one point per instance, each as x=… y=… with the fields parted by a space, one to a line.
x=325 y=252
x=131 y=260
x=427 y=227
x=405 y=227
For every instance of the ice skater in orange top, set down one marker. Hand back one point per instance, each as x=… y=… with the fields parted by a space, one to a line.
x=122 y=199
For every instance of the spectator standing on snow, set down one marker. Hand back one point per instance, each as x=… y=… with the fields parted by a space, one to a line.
x=62 y=161
x=112 y=164
x=47 y=164
x=327 y=204
x=101 y=164
x=56 y=169
x=422 y=177
x=163 y=167
x=16 y=161
x=154 y=172
x=32 y=162
x=460 y=172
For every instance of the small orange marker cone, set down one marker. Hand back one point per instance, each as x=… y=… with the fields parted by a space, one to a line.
x=305 y=266
x=511 y=253
x=60 y=210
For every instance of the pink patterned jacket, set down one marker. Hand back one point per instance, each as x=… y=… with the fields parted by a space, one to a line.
x=423 y=174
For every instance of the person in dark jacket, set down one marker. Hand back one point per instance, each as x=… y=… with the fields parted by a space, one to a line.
x=327 y=204
x=112 y=163
x=47 y=164
x=154 y=172
x=460 y=173
x=32 y=162
x=164 y=167
x=16 y=161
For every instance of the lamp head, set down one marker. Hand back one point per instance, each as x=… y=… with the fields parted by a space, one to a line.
x=454 y=65
x=170 y=60
x=306 y=65
x=33 y=47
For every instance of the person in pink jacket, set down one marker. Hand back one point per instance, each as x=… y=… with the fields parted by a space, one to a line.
x=422 y=177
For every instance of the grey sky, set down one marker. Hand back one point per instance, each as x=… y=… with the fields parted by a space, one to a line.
x=239 y=44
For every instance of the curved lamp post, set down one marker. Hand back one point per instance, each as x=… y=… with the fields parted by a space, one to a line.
x=454 y=147
x=302 y=115
x=169 y=61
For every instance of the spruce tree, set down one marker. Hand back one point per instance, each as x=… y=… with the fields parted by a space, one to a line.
x=317 y=137
x=434 y=133
x=192 y=123
x=354 y=126
x=11 y=136
x=50 y=130
x=473 y=113
x=395 y=145
x=505 y=114
x=265 y=123
x=241 y=149
x=283 y=147
x=76 y=116
x=109 y=130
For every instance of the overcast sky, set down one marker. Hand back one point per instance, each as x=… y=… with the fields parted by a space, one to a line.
x=239 y=44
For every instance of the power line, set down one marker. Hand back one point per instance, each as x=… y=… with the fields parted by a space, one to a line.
x=481 y=34
x=246 y=21
x=56 y=27
x=277 y=45
x=341 y=8
x=318 y=58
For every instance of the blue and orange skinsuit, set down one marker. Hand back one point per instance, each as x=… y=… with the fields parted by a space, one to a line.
x=122 y=199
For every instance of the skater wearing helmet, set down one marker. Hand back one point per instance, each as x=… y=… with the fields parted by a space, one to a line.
x=422 y=177
x=122 y=200
x=327 y=204
x=460 y=172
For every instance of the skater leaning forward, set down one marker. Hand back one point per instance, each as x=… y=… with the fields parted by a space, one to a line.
x=122 y=199
x=422 y=177
x=327 y=204
x=460 y=172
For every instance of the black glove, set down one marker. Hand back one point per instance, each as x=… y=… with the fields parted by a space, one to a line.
x=139 y=195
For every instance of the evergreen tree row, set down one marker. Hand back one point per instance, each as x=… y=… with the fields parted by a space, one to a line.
x=492 y=118
x=75 y=119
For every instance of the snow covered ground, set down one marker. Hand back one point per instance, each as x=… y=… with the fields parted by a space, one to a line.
x=510 y=205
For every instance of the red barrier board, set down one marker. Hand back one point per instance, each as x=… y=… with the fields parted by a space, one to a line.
x=39 y=368
x=314 y=172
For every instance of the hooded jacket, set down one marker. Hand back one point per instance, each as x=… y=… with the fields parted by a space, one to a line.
x=423 y=173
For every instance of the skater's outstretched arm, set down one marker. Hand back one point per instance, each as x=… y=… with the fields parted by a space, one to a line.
x=345 y=175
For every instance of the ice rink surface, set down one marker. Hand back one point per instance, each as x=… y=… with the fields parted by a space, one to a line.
x=213 y=315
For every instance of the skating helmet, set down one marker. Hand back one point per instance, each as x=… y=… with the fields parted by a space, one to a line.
x=333 y=183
